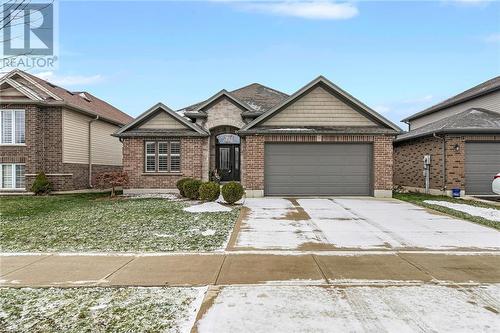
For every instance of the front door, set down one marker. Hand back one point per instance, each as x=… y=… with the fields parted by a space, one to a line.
x=228 y=162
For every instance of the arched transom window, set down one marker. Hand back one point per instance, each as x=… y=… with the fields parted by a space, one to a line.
x=228 y=139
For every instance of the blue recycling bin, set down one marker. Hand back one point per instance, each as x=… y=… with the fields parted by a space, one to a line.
x=455 y=192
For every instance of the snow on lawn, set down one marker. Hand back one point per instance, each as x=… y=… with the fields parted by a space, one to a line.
x=106 y=225
x=491 y=214
x=99 y=309
x=353 y=309
x=167 y=196
x=207 y=207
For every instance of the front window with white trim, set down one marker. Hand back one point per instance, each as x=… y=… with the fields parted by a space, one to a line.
x=150 y=156
x=12 y=127
x=12 y=176
x=162 y=156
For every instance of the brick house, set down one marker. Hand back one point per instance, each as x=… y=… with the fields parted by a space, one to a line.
x=462 y=137
x=47 y=128
x=318 y=141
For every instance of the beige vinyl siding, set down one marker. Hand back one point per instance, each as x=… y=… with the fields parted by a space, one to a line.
x=75 y=137
x=106 y=150
x=9 y=92
x=31 y=86
x=319 y=108
x=489 y=102
x=162 y=121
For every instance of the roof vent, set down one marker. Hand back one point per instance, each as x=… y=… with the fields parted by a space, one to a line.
x=84 y=96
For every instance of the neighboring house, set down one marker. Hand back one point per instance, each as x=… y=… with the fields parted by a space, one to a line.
x=462 y=136
x=47 y=128
x=318 y=141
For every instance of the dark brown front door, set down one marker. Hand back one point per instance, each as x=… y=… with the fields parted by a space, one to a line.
x=228 y=162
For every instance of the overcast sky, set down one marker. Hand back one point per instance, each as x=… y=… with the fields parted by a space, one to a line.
x=396 y=56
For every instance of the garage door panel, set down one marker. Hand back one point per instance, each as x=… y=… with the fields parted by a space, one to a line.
x=334 y=180
x=325 y=170
x=318 y=169
x=323 y=190
x=482 y=162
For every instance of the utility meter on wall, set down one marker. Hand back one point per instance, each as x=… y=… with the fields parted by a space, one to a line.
x=427 y=174
x=427 y=159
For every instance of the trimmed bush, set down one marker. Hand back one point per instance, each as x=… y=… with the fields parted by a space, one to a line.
x=232 y=192
x=180 y=185
x=209 y=191
x=41 y=185
x=191 y=188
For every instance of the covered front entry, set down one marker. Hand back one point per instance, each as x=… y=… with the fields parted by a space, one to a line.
x=482 y=162
x=227 y=157
x=318 y=169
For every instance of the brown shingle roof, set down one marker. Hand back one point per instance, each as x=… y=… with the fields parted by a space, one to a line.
x=475 y=120
x=86 y=102
x=481 y=89
x=257 y=96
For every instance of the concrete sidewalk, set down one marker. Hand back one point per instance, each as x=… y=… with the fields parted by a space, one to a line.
x=245 y=268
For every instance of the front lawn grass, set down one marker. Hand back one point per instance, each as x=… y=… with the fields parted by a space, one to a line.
x=419 y=198
x=95 y=222
x=98 y=309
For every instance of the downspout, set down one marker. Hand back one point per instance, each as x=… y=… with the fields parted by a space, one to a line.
x=443 y=150
x=90 y=149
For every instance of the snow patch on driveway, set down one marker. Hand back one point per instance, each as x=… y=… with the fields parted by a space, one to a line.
x=207 y=207
x=352 y=309
x=406 y=225
x=266 y=233
x=355 y=223
x=268 y=203
x=486 y=213
x=268 y=226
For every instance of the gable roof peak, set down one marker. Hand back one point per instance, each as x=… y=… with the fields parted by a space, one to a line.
x=256 y=96
x=321 y=79
x=166 y=109
x=221 y=93
x=93 y=105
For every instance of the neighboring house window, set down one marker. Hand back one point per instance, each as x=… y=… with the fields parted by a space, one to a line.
x=162 y=156
x=12 y=176
x=12 y=126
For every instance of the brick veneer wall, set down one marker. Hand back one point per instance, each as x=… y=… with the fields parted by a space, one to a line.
x=382 y=162
x=43 y=150
x=408 y=164
x=133 y=163
x=254 y=156
x=253 y=166
x=27 y=153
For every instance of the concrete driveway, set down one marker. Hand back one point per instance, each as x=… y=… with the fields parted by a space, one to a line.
x=422 y=308
x=353 y=223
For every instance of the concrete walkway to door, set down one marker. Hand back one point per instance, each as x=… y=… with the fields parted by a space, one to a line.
x=313 y=268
